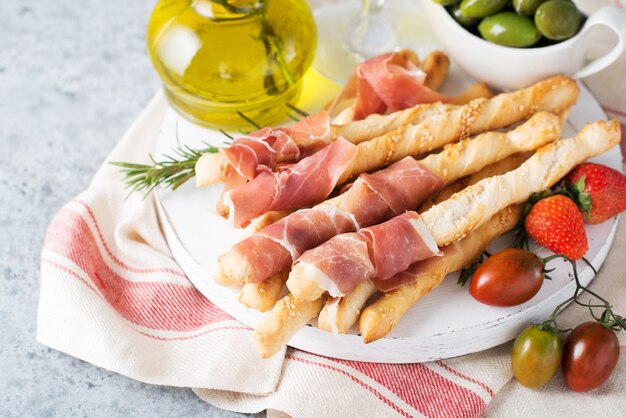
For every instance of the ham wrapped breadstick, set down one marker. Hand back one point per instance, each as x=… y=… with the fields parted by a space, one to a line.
x=455 y=161
x=386 y=82
x=555 y=94
x=366 y=129
x=373 y=126
x=379 y=318
x=214 y=168
x=339 y=314
x=309 y=181
x=376 y=197
x=376 y=125
x=416 y=237
x=313 y=178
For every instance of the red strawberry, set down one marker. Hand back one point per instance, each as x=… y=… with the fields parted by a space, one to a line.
x=556 y=223
x=601 y=191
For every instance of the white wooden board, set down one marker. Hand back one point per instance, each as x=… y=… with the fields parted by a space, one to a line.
x=445 y=323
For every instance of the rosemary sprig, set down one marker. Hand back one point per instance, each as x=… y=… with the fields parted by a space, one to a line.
x=250 y=121
x=237 y=9
x=297 y=110
x=467 y=272
x=173 y=171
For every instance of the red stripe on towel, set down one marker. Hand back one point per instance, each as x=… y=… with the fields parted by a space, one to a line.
x=355 y=379
x=156 y=337
x=117 y=260
x=465 y=377
x=156 y=305
x=422 y=388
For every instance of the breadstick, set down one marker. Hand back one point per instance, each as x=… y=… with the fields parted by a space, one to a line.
x=264 y=220
x=454 y=162
x=222 y=279
x=475 y=91
x=465 y=211
x=379 y=318
x=435 y=66
x=554 y=94
x=374 y=126
x=461 y=159
x=453 y=219
x=495 y=169
x=277 y=327
x=339 y=314
x=210 y=169
x=262 y=296
x=345 y=116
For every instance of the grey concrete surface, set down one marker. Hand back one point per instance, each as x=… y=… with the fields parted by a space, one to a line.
x=73 y=76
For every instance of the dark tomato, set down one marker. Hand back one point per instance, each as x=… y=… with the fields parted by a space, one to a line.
x=536 y=356
x=590 y=355
x=507 y=278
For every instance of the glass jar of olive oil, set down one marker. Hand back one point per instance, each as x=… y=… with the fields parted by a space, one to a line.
x=222 y=58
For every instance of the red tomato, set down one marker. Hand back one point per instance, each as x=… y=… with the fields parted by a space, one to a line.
x=507 y=278
x=589 y=357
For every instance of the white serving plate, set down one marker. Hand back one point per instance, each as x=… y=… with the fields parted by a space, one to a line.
x=445 y=323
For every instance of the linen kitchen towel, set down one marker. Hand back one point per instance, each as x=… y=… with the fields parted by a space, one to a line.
x=112 y=295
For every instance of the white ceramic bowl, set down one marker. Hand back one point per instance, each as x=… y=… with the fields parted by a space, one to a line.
x=512 y=68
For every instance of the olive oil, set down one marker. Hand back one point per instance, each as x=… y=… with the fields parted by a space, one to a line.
x=218 y=58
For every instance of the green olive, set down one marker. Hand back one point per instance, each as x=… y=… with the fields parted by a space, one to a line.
x=447 y=2
x=481 y=8
x=466 y=22
x=526 y=7
x=509 y=29
x=558 y=19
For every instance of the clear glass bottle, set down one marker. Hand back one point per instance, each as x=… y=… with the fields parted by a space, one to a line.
x=221 y=57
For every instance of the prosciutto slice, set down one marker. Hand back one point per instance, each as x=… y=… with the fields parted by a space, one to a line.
x=338 y=265
x=387 y=82
x=262 y=150
x=293 y=186
x=344 y=256
x=264 y=256
x=310 y=130
x=372 y=198
x=274 y=248
x=296 y=234
x=397 y=243
x=415 y=271
x=402 y=186
x=258 y=150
